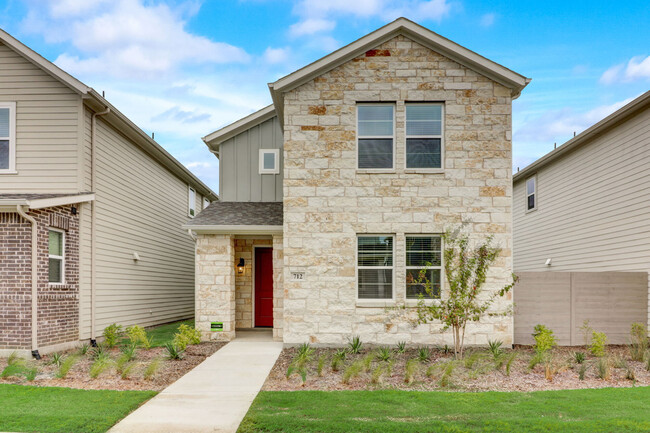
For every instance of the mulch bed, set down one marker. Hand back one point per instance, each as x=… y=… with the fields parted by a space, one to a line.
x=478 y=378
x=79 y=377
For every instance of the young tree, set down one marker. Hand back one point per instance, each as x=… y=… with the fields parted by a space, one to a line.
x=465 y=268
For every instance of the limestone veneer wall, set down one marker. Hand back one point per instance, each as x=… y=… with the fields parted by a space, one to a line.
x=328 y=202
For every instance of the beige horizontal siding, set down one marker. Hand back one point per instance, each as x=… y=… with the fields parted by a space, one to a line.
x=593 y=206
x=47 y=118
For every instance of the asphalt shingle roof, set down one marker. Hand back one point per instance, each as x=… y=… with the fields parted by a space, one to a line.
x=221 y=213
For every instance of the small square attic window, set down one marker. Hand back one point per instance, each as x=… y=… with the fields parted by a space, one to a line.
x=269 y=161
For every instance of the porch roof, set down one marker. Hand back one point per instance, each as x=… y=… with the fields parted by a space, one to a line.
x=238 y=218
x=8 y=202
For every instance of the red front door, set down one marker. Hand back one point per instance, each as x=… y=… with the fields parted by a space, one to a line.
x=264 y=287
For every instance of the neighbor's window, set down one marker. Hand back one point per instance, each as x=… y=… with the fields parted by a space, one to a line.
x=56 y=256
x=424 y=136
x=269 y=161
x=206 y=202
x=531 y=193
x=375 y=267
x=375 y=133
x=7 y=137
x=192 y=202
x=423 y=255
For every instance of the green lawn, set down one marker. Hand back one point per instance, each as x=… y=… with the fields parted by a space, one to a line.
x=589 y=411
x=64 y=410
x=165 y=333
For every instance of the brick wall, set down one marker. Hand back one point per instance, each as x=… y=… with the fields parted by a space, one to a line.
x=58 y=305
x=328 y=202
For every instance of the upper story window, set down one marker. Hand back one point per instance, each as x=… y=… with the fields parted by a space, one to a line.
x=206 y=202
x=7 y=137
x=375 y=135
x=269 y=161
x=191 y=196
x=424 y=135
x=423 y=266
x=531 y=193
x=375 y=267
x=56 y=255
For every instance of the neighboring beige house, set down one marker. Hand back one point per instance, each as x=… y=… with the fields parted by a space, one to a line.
x=95 y=202
x=585 y=207
x=337 y=193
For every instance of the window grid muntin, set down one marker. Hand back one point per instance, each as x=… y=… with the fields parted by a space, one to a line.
x=531 y=196
x=389 y=269
x=56 y=258
x=425 y=136
x=434 y=267
x=369 y=137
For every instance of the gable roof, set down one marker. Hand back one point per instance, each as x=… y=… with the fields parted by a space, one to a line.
x=98 y=103
x=413 y=31
x=214 y=139
x=614 y=119
x=238 y=218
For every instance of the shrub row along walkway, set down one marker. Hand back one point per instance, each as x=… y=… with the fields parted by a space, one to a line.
x=214 y=396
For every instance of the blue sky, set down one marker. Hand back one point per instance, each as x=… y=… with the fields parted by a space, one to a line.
x=185 y=68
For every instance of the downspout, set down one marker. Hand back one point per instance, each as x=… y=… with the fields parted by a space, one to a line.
x=93 y=224
x=32 y=221
x=192 y=235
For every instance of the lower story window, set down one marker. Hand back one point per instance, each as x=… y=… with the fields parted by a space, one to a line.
x=375 y=267
x=56 y=250
x=423 y=266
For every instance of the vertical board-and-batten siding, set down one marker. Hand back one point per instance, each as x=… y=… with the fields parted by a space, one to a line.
x=140 y=207
x=239 y=177
x=593 y=206
x=47 y=118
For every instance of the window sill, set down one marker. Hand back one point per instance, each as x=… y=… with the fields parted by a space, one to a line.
x=424 y=170
x=414 y=302
x=375 y=303
x=531 y=210
x=375 y=170
x=8 y=172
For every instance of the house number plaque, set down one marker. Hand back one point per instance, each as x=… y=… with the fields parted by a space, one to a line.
x=297 y=276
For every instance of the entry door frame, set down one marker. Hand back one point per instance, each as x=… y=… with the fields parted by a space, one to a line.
x=253 y=280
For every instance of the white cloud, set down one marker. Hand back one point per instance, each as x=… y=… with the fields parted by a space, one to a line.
x=126 y=38
x=487 y=20
x=637 y=69
x=559 y=125
x=276 y=55
x=311 y=26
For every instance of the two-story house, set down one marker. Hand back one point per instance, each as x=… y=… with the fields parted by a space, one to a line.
x=91 y=210
x=338 y=192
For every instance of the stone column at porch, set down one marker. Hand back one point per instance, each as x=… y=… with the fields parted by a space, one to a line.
x=215 y=286
x=278 y=286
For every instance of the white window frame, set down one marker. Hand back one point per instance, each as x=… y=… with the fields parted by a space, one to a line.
x=441 y=267
x=534 y=179
x=191 y=202
x=357 y=267
x=11 y=138
x=206 y=202
x=441 y=137
x=276 y=158
x=51 y=256
x=392 y=137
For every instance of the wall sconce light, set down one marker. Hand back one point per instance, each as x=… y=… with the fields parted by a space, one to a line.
x=240 y=266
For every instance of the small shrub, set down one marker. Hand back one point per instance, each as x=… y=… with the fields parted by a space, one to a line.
x=586 y=332
x=338 y=359
x=305 y=351
x=401 y=347
x=31 y=373
x=152 y=369
x=83 y=349
x=13 y=370
x=473 y=359
x=579 y=357
x=424 y=354
x=66 y=366
x=127 y=369
x=598 y=342
x=99 y=366
x=603 y=368
x=290 y=370
x=494 y=346
x=410 y=370
x=508 y=362
x=389 y=367
x=638 y=341
x=138 y=336
x=14 y=359
x=544 y=339
x=446 y=349
x=185 y=336
x=352 y=371
x=431 y=370
x=321 y=365
x=354 y=345
x=619 y=362
x=447 y=373
x=582 y=370
x=112 y=334
x=647 y=360
x=377 y=375
x=99 y=352
x=537 y=358
x=367 y=361
x=174 y=352
x=129 y=352
x=56 y=359
x=384 y=353
x=629 y=374
x=19 y=367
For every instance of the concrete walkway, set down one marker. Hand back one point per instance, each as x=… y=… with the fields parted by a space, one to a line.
x=214 y=396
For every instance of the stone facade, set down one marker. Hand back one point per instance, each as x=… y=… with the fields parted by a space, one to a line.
x=328 y=201
x=244 y=283
x=58 y=305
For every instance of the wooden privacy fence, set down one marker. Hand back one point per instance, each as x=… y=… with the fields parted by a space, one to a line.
x=611 y=301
